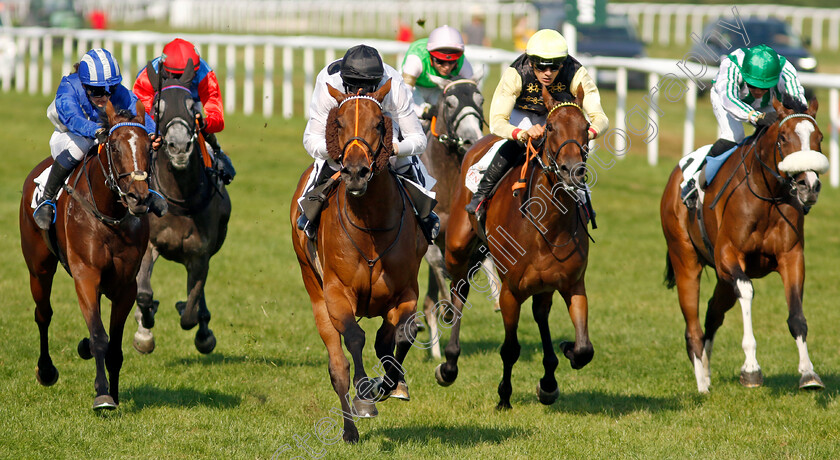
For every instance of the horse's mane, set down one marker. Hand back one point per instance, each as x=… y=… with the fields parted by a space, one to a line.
x=334 y=147
x=121 y=113
x=793 y=103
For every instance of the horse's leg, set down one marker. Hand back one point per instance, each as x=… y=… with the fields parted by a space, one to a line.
x=120 y=308
x=547 y=390
x=687 y=270
x=730 y=268
x=437 y=280
x=722 y=300
x=41 y=287
x=144 y=341
x=197 y=269
x=510 y=347
x=490 y=270
x=581 y=352
x=87 y=289
x=792 y=270
x=446 y=373
x=205 y=341
x=396 y=330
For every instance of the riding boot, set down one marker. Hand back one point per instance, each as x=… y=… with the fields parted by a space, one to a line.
x=44 y=214
x=314 y=200
x=423 y=204
x=224 y=164
x=495 y=171
x=157 y=204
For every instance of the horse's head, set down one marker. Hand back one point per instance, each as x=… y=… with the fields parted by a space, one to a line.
x=565 y=147
x=459 y=115
x=797 y=147
x=126 y=157
x=175 y=110
x=359 y=136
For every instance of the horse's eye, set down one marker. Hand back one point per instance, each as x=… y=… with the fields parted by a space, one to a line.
x=479 y=100
x=548 y=127
x=452 y=101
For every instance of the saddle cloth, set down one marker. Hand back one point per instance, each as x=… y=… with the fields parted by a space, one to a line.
x=476 y=171
x=40 y=182
x=692 y=163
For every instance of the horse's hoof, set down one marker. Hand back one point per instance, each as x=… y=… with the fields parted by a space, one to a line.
x=180 y=306
x=144 y=343
x=351 y=436
x=546 y=397
x=401 y=392
x=577 y=358
x=207 y=344
x=84 y=348
x=440 y=379
x=503 y=405
x=48 y=377
x=752 y=379
x=811 y=381
x=104 y=402
x=364 y=409
x=421 y=326
x=188 y=321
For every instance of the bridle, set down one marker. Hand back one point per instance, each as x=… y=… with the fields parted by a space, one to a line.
x=553 y=168
x=370 y=153
x=450 y=138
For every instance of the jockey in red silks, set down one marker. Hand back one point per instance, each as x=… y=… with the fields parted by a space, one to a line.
x=204 y=88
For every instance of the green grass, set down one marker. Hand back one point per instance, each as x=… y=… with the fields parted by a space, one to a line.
x=267 y=380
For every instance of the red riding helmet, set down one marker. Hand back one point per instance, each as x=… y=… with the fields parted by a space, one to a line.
x=176 y=54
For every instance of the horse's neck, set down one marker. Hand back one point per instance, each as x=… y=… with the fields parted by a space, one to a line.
x=89 y=179
x=761 y=179
x=380 y=203
x=552 y=205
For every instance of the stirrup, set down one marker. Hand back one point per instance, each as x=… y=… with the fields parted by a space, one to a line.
x=430 y=225
x=474 y=204
x=39 y=221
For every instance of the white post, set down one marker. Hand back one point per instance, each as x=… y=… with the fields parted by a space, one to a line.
x=834 y=149
x=248 y=93
x=126 y=69
x=653 y=146
x=20 y=69
x=648 y=19
x=665 y=26
x=46 y=71
x=33 y=65
x=308 y=78
x=268 y=81
x=621 y=108
x=688 y=123
x=67 y=51
x=816 y=32
x=141 y=56
x=230 y=78
x=288 y=89
x=680 y=29
x=834 y=32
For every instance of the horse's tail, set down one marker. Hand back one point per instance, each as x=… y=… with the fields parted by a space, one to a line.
x=670 y=279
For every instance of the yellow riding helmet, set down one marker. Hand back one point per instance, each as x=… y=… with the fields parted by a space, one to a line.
x=547 y=45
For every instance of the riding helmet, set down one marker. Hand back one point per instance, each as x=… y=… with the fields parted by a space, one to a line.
x=445 y=43
x=99 y=68
x=362 y=68
x=547 y=47
x=762 y=67
x=176 y=54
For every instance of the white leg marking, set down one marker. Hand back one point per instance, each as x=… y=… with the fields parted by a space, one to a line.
x=700 y=373
x=805 y=365
x=745 y=290
x=707 y=360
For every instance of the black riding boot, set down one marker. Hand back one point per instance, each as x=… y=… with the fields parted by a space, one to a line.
x=503 y=160
x=427 y=219
x=44 y=214
x=157 y=203
x=313 y=201
x=224 y=165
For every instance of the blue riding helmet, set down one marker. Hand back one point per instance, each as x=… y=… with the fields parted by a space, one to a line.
x=99 y=68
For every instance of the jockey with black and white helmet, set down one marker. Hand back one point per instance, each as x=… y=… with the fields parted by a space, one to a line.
x=439 y=57
x=362 y=71
x=80 y=99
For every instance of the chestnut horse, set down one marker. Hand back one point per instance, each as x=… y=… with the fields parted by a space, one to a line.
x=755 y=227
x=99 y=235
x=366 y=256
x=536 y=253
x=199 y=210
x=456 y=125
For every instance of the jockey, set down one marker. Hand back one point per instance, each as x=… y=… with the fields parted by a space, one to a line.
x=743 y=91
x=205 y=91
x=518 y=113
x=442 y=56
x=361 y=71
x=76 y=114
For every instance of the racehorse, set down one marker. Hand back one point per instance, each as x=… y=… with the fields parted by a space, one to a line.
x=754 y=227
x=199 y=209
x=545 y=228
x=366 y=256
x=99 y=235
x=456 y=125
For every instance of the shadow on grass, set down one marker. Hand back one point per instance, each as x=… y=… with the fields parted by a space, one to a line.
x=788 y=384
x=611 y=405
x=150 y=396
x=215 y=358
x=453 y=436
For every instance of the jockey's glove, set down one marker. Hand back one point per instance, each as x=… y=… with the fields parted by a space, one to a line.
x=101 y=135
x=427 y=111
x=754 y=116
x=768 y=119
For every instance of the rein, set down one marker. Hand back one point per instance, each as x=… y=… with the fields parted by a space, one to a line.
x=367 y=149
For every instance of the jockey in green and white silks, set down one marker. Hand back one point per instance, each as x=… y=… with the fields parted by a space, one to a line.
x=744 y=89
x=439 y=57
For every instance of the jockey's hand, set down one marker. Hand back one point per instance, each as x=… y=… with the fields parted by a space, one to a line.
x=754 y=116
x=534 y=132
x=157 y=140
x=101 y=135
x=768 y=119
x=426 y=111
x=201 y=123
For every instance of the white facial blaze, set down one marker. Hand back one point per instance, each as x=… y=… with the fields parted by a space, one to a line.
x=811 y=179
x=804 y=129
x=132 y=142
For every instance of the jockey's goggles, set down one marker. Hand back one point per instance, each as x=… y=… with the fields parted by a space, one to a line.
x=100 y=91
x=352 y=85
x=444 y=56
x=542 y=64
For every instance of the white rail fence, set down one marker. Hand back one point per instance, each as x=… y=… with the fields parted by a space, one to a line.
x=243 y=63
x=673 y=22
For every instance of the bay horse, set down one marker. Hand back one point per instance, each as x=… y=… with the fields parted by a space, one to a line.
x=550 y=244
x=366 y=257
x=756 y=227
x=99 y=235
x=199 y=209
x=456 y=125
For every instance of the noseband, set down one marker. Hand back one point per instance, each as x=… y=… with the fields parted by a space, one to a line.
x=112 y=178
x=369 y=151
x=787 y=183
x=553 y=167
x=450 y=138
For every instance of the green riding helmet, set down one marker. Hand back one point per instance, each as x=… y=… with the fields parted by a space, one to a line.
x=762 y=67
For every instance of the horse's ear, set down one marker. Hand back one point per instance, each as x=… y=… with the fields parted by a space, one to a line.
x=547 y=99
x=154 y=76
x=141 y=112
x=440 y=82
x=780 y=108
x=579 y=96
x=812 y=107
x=380 y=94
x=189 y=73
x=336 y=94
x=112 y=114
x=478 y=74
